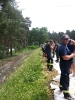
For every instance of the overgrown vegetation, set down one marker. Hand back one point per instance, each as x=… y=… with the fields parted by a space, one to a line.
x=17 y=54
x=30 y=81
x=32 y=47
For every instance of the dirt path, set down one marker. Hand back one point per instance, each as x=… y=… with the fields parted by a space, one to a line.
x=10 y=66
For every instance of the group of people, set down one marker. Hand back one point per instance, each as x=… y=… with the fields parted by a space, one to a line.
x=65 y=52
x=50 y=48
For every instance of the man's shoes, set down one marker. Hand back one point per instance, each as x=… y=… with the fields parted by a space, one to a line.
x=50 y=68
x=57 y=61
x=68 y=97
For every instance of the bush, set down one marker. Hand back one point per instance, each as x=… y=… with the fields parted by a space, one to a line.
x=33 y=47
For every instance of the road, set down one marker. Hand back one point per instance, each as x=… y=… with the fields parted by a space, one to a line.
x=10 y=66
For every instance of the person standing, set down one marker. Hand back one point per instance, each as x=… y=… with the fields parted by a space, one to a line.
x=43 y=49
x=57 y=51
x=71 y=46
x=48 y=51
x=73 y=67
x=65 y=63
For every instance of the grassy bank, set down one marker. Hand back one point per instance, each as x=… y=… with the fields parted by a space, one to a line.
x=30 y=81
x=18 y=54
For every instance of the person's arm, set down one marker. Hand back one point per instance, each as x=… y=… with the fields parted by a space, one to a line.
x=55 y=47
x=72 y=41
x=67 y=57
x=52 y=46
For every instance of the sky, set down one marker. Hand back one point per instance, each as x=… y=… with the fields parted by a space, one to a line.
x=56 y=15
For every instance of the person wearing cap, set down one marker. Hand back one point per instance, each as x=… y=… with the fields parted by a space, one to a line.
x=48 y=51
x=65 y=63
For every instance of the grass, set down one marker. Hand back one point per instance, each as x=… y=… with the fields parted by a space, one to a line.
x=30 y=81
x=18 y=54
x=28 y=48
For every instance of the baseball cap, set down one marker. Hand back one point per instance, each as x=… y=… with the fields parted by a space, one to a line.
x=51 y=40
x=65 y=37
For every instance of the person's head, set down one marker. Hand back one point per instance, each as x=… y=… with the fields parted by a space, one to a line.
x=51 y=41
x=56 y=41
x=47 y=41
x=65 y=39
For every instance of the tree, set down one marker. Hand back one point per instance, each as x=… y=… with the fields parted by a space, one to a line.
x=28 y=21
x=13 y=28
x=38 y=35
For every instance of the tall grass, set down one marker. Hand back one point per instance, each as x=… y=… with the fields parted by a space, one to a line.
x=27 y=82
x=18 y=53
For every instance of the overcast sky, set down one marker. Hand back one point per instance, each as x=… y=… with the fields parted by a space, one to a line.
x=56 y=15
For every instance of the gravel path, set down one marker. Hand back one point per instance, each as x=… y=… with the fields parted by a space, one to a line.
x=10 y=66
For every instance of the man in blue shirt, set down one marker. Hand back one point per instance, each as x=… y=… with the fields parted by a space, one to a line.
x=65 y=63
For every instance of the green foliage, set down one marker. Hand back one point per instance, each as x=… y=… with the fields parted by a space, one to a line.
x=38 y=35
x=2 y=52
x=33 y=47
x=13 y=27
x=27 y=82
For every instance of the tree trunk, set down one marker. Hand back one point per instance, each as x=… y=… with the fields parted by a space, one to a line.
x=11 y=50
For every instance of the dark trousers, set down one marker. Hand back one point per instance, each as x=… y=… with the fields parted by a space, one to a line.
x=64 y=78
x=50 y=61
x=49 y=58
x=57 y=56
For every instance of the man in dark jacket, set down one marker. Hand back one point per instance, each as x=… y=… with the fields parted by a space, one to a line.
x=65 y=63
x=48 y=51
